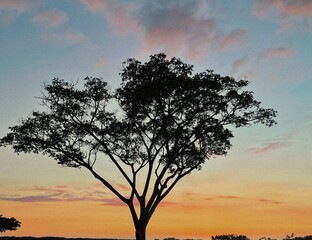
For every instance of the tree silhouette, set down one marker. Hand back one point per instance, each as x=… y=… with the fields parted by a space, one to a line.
x=8 y=224
x=230 y=237
x=162 y=123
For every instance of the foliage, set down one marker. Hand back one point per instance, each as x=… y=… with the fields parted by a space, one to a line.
x=167 y=124
x=292 y=237
x=8 y=224
x=229 y=237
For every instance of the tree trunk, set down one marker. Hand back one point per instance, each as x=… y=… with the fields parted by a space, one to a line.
x=140 y=231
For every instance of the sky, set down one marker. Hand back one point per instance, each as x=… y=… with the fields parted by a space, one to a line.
x=263 y=187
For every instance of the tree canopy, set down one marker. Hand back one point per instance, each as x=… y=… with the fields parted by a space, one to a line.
x=8 y=224
x=162 y=123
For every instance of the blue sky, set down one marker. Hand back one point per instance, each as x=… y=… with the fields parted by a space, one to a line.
x=267 y=42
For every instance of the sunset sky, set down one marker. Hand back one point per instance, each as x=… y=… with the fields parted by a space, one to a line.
x=263 y=187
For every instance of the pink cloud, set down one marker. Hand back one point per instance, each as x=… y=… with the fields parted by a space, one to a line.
x=93 y=5
x=287 y=11
x=181 y=29
x=100 y=63
x=36 y=194
x=236 y=38
x=51 y=18
x=176 y=27
x=239 y=64
x=122 y=187
x=113 y=202
x=17 y=5
x=120 y=15
x=276 y=53
x=166 y=204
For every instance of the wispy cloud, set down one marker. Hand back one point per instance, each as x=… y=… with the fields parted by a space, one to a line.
x=36 y=194
x=228 y=197
x=34 y=199
x=16 y=5
x=223 y=197
x=10 y=9
x=178 y=27
x=276 y=53
x=118 y=203
x=175 y=27
x=269 y=201
x=95 y=193
x=271 y=146
x=238 y=64
x=288 y=11
x=112 y=202
x=120 y=15
x=236 y=38
x=122 y=187
x=245 y=199
x=100 y=62
x=52 y=18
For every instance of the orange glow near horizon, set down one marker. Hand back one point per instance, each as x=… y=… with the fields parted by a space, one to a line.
x=197 y=219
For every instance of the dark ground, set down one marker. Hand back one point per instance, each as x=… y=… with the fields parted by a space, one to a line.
x=54 y=238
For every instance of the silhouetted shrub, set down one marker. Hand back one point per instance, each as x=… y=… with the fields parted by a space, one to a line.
x=8 y=224
x=229 y=237
x=267 y=238
x=292 y=237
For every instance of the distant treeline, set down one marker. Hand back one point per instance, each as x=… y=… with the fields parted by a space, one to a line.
x=243 y=237
x=218 y=237
x=55 y=238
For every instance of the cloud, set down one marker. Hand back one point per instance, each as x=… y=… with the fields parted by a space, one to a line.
x=236 y=38
x=269 y=201
x=37 y=194
x=16 y=5
x=174 y=27
x=122 y=187
x=68 y=38
x=234 y=197
x=10 y=9
x=166 y=204
x=41 y=194
x=225 y=197
x=118 y=203
x=52 y=19
x=33 y=199
x=276 y=53
x=270 y=147
x=113 y=202
x=229 y=197
x=120 y=15
x=178 y=27
x=100 y=62
x=238 y=64
x=288 y=11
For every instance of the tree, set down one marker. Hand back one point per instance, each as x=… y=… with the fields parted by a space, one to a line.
x=8 y=224
x=167 y=122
